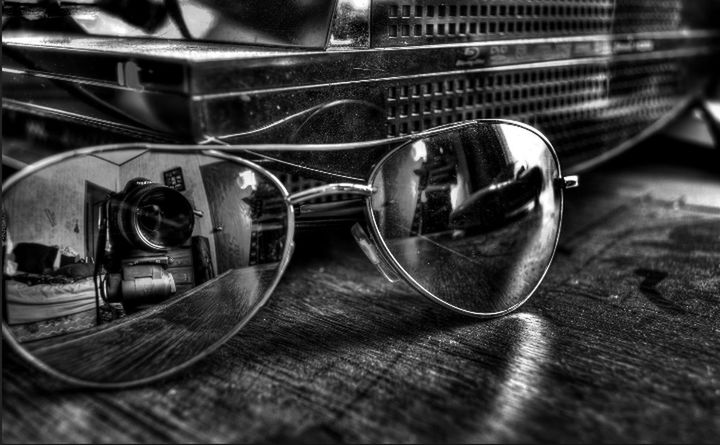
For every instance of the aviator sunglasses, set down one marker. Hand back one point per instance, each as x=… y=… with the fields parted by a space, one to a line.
x=126 y=263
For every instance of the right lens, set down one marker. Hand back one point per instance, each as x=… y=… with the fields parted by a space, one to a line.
x=471 y=214
x=98 y=307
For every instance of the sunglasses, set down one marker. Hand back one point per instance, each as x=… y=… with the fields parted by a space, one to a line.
x=124 y=264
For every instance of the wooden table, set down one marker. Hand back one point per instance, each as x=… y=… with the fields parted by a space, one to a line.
x=621 y=343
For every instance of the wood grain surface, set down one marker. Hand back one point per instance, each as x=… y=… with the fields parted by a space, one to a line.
x=620 y=343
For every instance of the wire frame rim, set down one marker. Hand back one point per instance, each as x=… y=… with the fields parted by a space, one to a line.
x=286 y=256
x=406 y=275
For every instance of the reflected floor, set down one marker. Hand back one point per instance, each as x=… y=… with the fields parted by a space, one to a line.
x=163 y=336
x=488 y=272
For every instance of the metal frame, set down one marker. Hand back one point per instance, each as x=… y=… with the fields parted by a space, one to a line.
x=360 y=189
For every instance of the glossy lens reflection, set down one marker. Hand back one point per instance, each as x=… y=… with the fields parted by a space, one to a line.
x=471 y=216
x=122 y=266
x=152 y=215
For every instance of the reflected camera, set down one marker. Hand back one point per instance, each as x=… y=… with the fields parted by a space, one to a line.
x=138 y=226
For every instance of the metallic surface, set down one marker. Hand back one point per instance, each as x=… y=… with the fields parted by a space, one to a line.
x=407 y=22
x=589 y=94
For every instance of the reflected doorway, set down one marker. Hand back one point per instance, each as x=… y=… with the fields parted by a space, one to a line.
x=95 y=196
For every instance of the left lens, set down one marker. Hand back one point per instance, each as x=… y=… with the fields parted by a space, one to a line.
x=471 y=215
x=93 y=305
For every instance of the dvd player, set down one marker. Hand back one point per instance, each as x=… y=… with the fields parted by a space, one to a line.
x=594 y=76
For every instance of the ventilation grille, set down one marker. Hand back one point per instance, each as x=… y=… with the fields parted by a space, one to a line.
x=640 y=93
x=400 y=23
x=519 y=94
x=583 y=109
x=647 y=15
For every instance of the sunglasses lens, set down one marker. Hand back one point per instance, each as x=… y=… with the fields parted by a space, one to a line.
x=471 y=215
x=123 y=266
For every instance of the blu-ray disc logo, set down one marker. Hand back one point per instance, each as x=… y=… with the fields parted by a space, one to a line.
x=472 y=56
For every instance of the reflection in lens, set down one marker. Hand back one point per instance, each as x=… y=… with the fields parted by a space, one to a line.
x=472 y=216
x=152 y=215
x=110 y=277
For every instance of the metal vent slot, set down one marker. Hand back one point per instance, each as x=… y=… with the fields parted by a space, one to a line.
x=413 y=107
x=400 y=23
x=583 y=109
x=647 y=15
x=434 y=21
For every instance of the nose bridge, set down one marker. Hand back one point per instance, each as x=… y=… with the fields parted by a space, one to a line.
x=331 y=189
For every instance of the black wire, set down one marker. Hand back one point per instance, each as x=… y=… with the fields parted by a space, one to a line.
x=173 y=10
